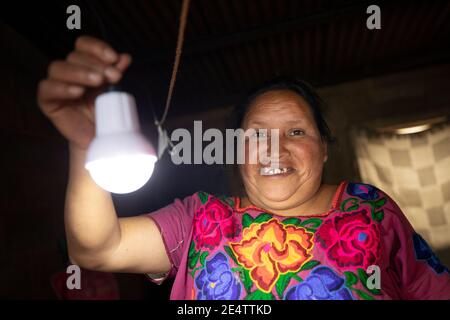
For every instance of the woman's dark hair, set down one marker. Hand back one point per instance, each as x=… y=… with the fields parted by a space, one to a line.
x=295 y=85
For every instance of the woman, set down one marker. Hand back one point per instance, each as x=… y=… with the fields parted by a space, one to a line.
x=291 y=237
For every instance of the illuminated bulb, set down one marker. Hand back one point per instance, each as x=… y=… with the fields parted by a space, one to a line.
x=119 y=159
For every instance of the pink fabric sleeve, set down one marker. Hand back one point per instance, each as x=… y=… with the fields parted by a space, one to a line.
x=174 y=222
x=413 y=265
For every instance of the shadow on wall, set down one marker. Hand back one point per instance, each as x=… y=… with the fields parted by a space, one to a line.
x=444 y=256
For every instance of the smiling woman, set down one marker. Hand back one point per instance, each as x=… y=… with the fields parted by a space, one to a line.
x=293 y=108
x=290 y=237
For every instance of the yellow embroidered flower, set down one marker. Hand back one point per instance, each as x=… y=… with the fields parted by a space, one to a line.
x=270 y=249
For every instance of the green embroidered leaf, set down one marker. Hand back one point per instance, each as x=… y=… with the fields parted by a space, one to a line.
x=246 y=280
x=193 y=260
x=364 y=295
x=246 y=220
x=296 y=277
x=203 y=257
x=193 y=255
x=311 y=224
x=378 y=216
x=350 y=279
x=245 y=275
x=363 y=278
x=230 y=201
x=222 y=199
x=282 y=283
x=380 y=202
x=203 y=197
x=263 y=217
x=350 y=204
x=309 y=265
x=260 y=295
x=191 y=249
x=294 y=221
x=231 y=254
x=194 y=271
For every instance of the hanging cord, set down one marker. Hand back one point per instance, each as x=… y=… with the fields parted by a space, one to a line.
x=179 y=48
x=164 y=141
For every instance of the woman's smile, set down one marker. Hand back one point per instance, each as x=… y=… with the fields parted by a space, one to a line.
x=276 y=172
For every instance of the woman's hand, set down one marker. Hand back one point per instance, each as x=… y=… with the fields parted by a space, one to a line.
x=96 y=238
x=68 y=93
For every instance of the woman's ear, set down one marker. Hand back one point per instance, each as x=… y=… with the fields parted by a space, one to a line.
x=325 y=151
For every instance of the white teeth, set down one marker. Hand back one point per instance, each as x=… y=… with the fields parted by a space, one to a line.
x=267 y=171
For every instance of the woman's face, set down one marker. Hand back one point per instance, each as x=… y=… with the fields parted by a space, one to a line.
x=301 y=151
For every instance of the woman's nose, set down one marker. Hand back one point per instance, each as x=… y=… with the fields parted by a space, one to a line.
x=278 y=148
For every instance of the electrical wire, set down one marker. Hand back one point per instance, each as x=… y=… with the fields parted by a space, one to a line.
x=176 y=65
x=179 y=48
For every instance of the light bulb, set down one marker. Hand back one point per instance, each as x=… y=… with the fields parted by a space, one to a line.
x=119 y=159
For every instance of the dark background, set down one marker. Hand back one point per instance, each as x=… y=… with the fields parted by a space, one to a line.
x=396 y=74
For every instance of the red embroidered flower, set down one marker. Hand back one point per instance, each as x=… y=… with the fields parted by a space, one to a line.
x=352 y=240
x=213 y=221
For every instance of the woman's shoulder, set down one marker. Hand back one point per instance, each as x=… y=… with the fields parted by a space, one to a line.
x=379 y=202
x=365 y=191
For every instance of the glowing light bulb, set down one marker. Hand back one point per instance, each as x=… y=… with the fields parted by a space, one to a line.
x=119 y=159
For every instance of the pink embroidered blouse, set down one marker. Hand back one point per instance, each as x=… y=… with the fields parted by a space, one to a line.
x=362 y=248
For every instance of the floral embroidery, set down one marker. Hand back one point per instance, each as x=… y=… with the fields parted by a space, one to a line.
x=321 y=284
x=352 y=240
x=424 y=252
x=271 y=257
x=362 y=190
x=352 y=279
x=213 y=221
x=270 y=249
x=216 y=281
x=370 y=195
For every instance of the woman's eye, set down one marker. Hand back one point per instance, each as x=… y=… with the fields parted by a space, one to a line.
x=296 y=132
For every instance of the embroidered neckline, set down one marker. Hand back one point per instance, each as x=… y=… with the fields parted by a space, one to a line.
x=334 y=204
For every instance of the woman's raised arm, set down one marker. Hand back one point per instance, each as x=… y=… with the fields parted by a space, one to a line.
x=97 y=238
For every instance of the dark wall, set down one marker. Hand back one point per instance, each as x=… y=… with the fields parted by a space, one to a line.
x=34 y=166
x=34 y=174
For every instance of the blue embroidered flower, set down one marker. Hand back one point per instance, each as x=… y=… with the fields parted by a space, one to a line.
x=362 y=190
x=216 y=281
x=321 y=284
x=424 y=252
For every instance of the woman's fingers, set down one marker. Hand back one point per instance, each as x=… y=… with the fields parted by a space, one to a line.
x=52 y=90
x=84 y=59
x=91 y=66
x=112 y=74
x=124 y=62
x=76 y=74
x=97 y=48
